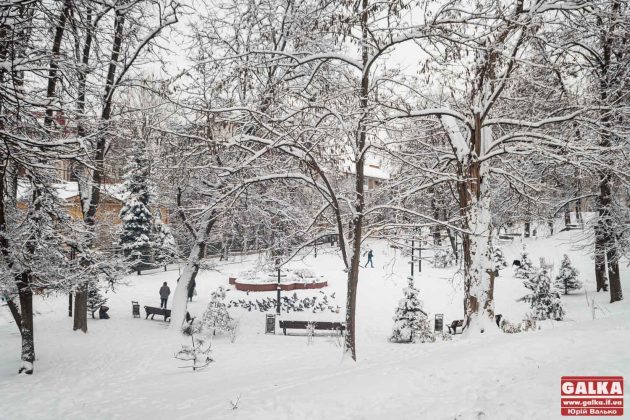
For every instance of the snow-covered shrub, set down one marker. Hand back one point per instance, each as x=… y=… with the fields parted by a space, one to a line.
x=216 y=317
x=254 y=275
x=443 y=258
x=165 y=251
x=526 y=269
x=411 y=324
x=303 y=274
x=567 y=279
x=198 y=353
x=95 y=299
x=499 y=259
x=544 y=301
x=310 y=333
x=528 y=324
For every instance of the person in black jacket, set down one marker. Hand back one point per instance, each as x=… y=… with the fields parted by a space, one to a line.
x=370 y=254
x=191 y=289
x=165 y=291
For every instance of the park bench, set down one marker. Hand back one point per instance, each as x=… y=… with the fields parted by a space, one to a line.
x=303 y=325
x=458 y=323
x=151 y=310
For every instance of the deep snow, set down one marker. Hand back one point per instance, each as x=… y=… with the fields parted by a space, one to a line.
x=124 y=367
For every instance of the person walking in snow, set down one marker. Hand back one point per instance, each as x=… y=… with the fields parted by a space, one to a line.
x=369 y=260
x=164 y=293
x=191 y=290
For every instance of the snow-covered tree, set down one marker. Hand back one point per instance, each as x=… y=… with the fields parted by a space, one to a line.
x=165 y=248
x=567 y=279
x=443 y=258
x=95 y=299
x=526 y=269
x=137 y=236
x=544 y=301
x=499 y=259
x=411 y=323
x=216 y=317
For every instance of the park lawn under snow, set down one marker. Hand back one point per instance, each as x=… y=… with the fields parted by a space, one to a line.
x=124 y=367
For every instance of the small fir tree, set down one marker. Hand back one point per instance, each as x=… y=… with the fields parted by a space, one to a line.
x=544 y=301
x=216 y=317
x=95 y=300
x=137 y=237
x=567 y=279
x=526 y=269
x=499 y=259
x=411 y=324
x=165 y=248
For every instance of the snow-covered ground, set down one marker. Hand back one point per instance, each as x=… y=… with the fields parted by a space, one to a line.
x=124 y=367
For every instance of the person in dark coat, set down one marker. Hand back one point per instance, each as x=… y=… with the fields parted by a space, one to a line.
x=191 y=289
x=370 y=254
x=165 y=291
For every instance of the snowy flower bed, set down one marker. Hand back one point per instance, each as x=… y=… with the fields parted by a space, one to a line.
x=301 y=275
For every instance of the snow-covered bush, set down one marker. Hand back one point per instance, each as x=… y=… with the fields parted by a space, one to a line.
x=411 y=324
x=443 y=258
x=198 y=353
x=95 y=299
x=499 y=259
x=544 y=301
x=303 y=274
x=567 y=279
x=528 y=324
x=216 y=317
x=526 y=269
x=310 y=333
x=165 y=249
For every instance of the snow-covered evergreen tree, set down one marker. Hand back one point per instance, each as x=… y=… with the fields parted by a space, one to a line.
x=567 y=280
x=95 y=299
x=165 y=251
x=443 y=258
x=411 y=324
x=544 y=301
x=216 y=317
x=526 y=269
x=137 y=236
x=499 y=259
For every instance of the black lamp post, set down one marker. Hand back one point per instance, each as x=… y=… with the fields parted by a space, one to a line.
x=278 y=287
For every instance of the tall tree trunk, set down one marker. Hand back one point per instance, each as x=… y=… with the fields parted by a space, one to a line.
x=93 y=200
x=435 y=230
x=80 y=309
x=359 y=204
x=28 y=340
x=477 y=245
x=600 y=259
x=191 y=269
x=613 y=275
x=607 y=236
x=609 y=91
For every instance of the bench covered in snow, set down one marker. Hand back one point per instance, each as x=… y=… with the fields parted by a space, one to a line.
x=153 y=311
x=458 y=323
x=318 y=325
